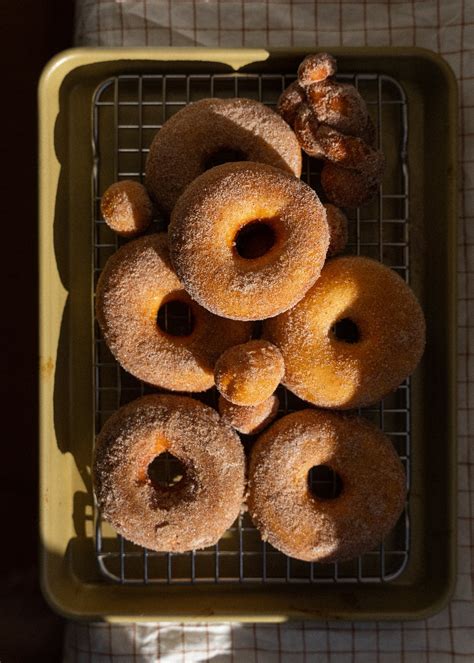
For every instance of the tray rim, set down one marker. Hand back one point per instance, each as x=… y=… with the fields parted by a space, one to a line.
x=49 y=86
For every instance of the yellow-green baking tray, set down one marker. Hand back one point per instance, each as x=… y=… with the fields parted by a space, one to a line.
x=98 y=111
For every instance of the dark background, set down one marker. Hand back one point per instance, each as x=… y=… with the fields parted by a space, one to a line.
x=31 y=32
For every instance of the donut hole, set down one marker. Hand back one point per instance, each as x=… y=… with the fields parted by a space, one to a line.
x=346 y=331
x=165 y=471
x=255 y=239
x=175 y=318
x=223 y=155
x=324 y=483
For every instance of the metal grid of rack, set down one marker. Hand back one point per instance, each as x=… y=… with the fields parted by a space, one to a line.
x=126 y=112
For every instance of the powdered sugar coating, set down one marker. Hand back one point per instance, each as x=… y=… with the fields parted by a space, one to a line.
x=338 y=229
x=311 y=528
x=135 y=282
x=252 y=419
x=196 y=511
x=204 y=225
x=249 y=373
x=329 y=372
x=316 y=68
x=126 y=208
x=180 y=150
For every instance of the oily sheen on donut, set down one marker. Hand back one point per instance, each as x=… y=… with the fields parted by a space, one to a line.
x=214 y=131
x=134 y=284
x=293 y=518
x=355 y=336
x=193 y=513
x=248 y=240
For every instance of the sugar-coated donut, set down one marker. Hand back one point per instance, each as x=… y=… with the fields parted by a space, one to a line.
x=338 y=229
x=332 y=123
x=249 y=419
x=248 y=240
x=355 y=336
x=316 y=68
x=210 y=132
x=193 y=513
x=293 y=518
x=249 y=373
x=126 y=208
x=135 y=283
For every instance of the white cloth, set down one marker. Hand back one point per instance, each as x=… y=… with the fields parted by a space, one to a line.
x=448 y=28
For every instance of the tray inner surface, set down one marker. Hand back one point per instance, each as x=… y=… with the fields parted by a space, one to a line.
x=127 y=111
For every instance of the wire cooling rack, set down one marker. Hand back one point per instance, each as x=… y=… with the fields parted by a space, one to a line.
x=126 y=113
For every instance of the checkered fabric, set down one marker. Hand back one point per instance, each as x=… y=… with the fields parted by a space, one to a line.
x=444 y=26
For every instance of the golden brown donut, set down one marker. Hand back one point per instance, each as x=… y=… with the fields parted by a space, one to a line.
x=355 y=336
x=338 y=229
x=248 y=240
x=293 y=518
x=316 y=68
x=249 y=373
x=249 y=419
x=348 y=188
x=192 y=513
x=211 y=132
x=135 y=283
x=126 y=208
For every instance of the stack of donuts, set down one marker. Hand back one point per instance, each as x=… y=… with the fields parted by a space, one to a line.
x=251 y=253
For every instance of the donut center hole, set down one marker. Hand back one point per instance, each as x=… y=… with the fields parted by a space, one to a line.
x=254 y=240
x=175 y=318
x=346 y=330
x=223 y=155
x=324 y=482
x=165 y=471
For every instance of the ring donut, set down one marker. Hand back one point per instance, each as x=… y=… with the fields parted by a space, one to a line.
x=192 y=513
x=134 y=285
x=355 y=336
x=248 y=240
x=293 y=518
x=213 y=131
